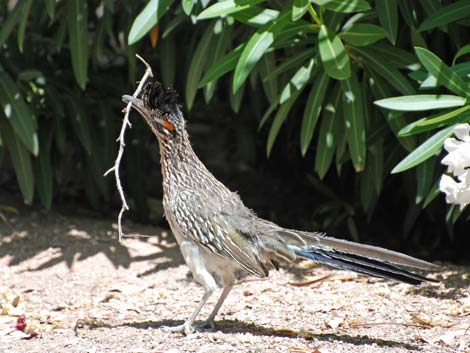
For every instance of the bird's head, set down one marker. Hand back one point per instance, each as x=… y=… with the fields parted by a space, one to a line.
x=160 y=109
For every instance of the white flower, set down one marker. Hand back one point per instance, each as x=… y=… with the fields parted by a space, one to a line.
x=458 y=163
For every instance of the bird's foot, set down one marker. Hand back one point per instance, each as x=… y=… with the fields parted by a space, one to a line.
x=206 y=325
x=186 y=328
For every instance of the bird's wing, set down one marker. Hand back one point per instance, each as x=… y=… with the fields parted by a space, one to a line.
x=210 y=224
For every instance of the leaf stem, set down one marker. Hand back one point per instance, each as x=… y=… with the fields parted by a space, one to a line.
x=314 y=15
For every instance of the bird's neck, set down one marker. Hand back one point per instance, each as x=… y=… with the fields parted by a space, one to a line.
x=180 y=165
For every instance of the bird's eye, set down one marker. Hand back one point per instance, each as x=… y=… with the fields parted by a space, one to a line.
x=167 y=125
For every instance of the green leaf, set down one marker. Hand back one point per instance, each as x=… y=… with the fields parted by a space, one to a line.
x=361 y=34
x=462 y=51
x=291 y=62
x=424 y=151
x=345 y=6
x=432 y=194
x=222 y=66
x=388 y=17
x=398 y=58
x=79 y=120
x=270 y=87
x=226 y=7
x=256 y=46
x=424 y=179
x=198 y=63
x=78 y=39
x=382 y=67
x=21 y=160
x=436 y=121
x=222 y=42
x=333 y=55
x=327 y=137
x=354 y=122
x=147 y=18
x=312 y=111
x=421 y=102
x=298 y=81
x=9 y=24
x=375 y=161
x=279 y=119
x=26 y=8
x=299 y=9
x=43 y=171
x=50 y=8
x=443 y=73
x=188 y=6
x=18 y=113
x=236 y=99
x=447 y=14
x=255 y=16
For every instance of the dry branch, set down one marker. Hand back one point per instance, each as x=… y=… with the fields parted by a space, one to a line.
x=125 y=123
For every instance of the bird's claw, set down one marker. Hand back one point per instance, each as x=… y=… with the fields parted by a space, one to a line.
x=206 y=325
x=187 y=328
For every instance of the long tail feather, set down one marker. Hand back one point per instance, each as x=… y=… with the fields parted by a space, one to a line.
x=361 y=264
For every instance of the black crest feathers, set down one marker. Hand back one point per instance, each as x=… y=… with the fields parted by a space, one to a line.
x=155 y=96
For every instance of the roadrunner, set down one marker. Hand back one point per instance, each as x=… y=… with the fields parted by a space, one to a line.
x=220 y=237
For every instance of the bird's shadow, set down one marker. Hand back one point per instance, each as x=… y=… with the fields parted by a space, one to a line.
x=236 y=327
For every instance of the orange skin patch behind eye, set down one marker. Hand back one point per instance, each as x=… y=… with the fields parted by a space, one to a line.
x=167 y=125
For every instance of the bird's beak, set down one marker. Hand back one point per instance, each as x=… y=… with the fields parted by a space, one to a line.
x=137 y=104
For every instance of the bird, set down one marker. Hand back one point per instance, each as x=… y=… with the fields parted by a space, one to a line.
x=221 y=239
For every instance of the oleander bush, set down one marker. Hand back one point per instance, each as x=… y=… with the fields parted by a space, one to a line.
x=363 y=88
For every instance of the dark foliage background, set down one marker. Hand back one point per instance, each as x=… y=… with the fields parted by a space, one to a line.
x=259 y=119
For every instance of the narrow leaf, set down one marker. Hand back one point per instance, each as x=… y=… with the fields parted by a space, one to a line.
x=256 y=46
x=147 y=18
x=382 y=67
x=26 y=8
x=270 y=86
x=312 y=110
x=424 y=151
x=21 y=160
x=78 y=39
x=279 y=119
x=188 y=6
x=333 y=55
x=299 y=9
x=345 y=6
x=354 y=122
x=388 y=17
x=9 y=24
x=43 y=171
x=443 y=73
x=421 y=102
x=447 y=14
x=462 y=51
x=327 y=137
x=226 y=7
x=50 y=8
x=436 y=121
x=290 y=63
x=18 y=113
x=361 y=34
x=298 y=81
x=198 y=63
x=424 y=179
x=222 y=66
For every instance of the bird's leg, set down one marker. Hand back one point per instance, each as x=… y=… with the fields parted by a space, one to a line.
x=209 y=323
x=188 y=326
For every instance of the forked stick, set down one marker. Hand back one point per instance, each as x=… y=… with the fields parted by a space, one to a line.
x=125 y=122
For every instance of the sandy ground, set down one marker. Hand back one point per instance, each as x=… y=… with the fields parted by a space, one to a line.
x=80 y=290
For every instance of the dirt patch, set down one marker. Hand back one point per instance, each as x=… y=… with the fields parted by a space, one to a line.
x=80 y=290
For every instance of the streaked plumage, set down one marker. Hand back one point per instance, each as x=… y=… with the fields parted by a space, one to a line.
x=219 y=236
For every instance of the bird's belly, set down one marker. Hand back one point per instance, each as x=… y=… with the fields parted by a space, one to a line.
x=205 y=266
